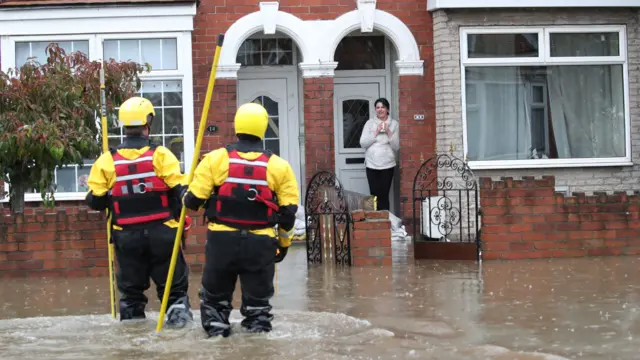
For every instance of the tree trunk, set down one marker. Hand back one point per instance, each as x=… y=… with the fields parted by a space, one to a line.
x=16 y=199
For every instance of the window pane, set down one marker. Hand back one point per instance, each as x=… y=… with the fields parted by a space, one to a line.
x=272 y=136
x=113 y=130
x=151 y=53
x=355 y=114
x=161 y=54
x=538 y=133
x=66 y=179
x=83 y=176
x=36 y=49
x=502 y=45
x=129 y=50
x=172 y=95
x=538 y=94
x=176 y=145
x=273 y=145
x=173 y=121
x=156 y=124
x=23 y=52
x=471 y=94
x=257 y=52
x=82 y=46
x=169 y=54
x=152 y=90
x=360 y=53
x=585 y=44
x=584 y=117
x=110 y=50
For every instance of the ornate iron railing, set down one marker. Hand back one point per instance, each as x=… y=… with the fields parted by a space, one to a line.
x=328 y=220
x=445 y=201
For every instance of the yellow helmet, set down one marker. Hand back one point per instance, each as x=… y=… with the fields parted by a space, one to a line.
x=251 y=119
x=135 y=111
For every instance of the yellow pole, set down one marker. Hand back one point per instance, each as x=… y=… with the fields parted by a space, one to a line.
x=194 y=162
x=105 y=148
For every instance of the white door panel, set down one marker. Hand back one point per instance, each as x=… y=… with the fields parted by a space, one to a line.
x=354 y=105
x=278 y=93
x=272 y=94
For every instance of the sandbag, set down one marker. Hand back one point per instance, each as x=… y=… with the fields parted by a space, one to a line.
x=396 y=222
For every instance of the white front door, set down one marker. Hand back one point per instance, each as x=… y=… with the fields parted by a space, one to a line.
x=354 y=104
x=278 y=94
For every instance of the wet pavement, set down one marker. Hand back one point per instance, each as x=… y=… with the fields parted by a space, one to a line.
x=539 y=309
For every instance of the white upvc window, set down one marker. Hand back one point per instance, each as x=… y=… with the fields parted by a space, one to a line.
x=537 y=97
x=169 y=86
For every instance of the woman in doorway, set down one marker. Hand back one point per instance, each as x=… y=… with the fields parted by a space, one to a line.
x=381 y=141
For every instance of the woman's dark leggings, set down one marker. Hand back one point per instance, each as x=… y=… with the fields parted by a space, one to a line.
x=380 y=185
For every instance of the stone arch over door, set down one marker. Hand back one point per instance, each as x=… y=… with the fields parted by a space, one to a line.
x=318 y=40
x=268 y=20
x=408 y=62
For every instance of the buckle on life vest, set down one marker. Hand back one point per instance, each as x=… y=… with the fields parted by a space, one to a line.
x=255 y=194
x=142 y=188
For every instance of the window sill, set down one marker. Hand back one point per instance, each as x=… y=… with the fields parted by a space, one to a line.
x=67 y=196
x=548 y=163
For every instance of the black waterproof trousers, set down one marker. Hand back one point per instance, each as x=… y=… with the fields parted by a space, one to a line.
x=229 y=255
x=143 y=254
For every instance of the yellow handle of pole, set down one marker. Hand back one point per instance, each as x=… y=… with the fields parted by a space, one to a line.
x=105 y=148
x=194 y=162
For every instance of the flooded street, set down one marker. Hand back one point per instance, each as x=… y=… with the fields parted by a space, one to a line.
x=543 y=309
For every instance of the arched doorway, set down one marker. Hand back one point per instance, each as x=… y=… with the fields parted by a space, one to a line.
x=363 y=74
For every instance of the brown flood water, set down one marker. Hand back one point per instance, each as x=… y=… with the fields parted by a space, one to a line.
x=543 y=309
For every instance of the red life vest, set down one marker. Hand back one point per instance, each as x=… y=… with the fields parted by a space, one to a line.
x=138 y=196
x=244 y=200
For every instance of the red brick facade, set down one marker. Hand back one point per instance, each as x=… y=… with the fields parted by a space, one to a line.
x=416 y=93
x=318 y=125
x=528 y=219
x=371 y=238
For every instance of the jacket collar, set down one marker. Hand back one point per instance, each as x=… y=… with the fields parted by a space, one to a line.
x=135 y=142
x=247 y=146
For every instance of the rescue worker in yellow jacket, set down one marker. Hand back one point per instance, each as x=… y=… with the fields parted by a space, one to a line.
x=247 y=192
x=141 y=184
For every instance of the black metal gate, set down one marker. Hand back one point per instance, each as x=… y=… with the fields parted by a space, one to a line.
x=445 y=210
x=328 y=221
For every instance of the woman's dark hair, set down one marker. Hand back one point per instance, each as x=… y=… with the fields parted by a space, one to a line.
x=384 y=102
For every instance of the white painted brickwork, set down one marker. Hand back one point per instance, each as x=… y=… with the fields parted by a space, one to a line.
x=448 y=100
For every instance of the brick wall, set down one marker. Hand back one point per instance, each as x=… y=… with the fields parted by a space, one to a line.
x=417 y=140
x=221 y=110
x=69 y=242
x=527 y=219
x=446 y=34
x=371 y=239
x=318 y=125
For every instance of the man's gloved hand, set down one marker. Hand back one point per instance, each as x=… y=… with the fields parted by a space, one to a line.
x=281 y=253
x=182 y=193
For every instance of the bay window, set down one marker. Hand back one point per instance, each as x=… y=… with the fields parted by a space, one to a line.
x=545 y=97
x=168 y=86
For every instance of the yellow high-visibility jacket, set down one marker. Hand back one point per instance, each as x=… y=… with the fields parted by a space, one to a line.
x=103 y=175
x=213 y=171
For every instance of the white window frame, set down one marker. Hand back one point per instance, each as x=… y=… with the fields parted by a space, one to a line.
x=184 y=72
x=544 y=59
